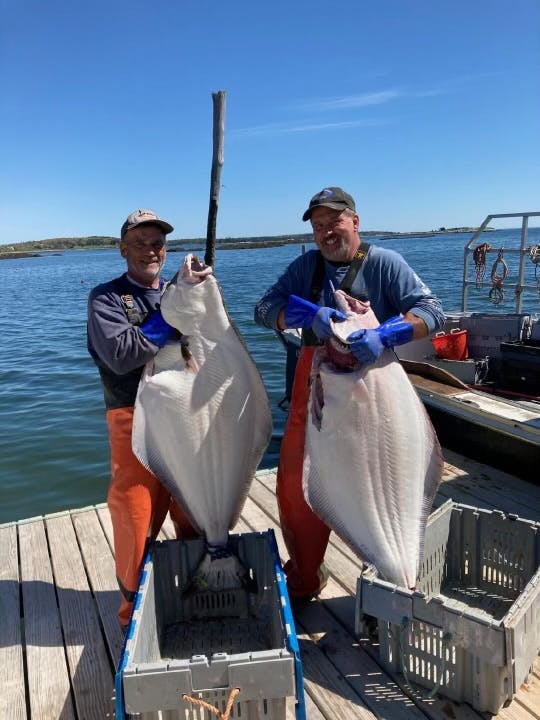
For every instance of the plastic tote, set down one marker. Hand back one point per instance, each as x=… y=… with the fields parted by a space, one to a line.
x=471 y=629
x=234 y=650
x=452 y=345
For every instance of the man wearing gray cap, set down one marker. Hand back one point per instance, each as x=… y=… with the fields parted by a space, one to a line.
x=125 y=330
x=303 y=297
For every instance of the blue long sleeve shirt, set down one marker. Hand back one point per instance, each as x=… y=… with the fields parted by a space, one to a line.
x=385 y=279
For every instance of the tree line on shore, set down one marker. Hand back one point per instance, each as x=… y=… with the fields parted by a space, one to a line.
x=98 y=241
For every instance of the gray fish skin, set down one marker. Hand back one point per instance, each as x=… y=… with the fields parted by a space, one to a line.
x=202 y=419
x=372 y=462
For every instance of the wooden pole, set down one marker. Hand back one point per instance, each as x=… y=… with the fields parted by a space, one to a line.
x=218 y=100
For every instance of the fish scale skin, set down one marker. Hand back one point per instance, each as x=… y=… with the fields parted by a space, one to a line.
x=203 y=433
x=372 y=470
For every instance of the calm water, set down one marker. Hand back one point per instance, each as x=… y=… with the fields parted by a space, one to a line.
x=53 y=441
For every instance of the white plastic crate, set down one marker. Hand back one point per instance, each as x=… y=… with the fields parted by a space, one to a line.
x=205 y=645
x=471 y=630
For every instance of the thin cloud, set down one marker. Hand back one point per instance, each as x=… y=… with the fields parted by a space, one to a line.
x=281 y=128
x=429 y=93
x=353 y=101
x=381 y=97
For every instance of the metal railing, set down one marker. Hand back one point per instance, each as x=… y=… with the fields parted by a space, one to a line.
x=523 y=252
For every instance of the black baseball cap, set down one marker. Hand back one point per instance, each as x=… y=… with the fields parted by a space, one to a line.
x=331 y=197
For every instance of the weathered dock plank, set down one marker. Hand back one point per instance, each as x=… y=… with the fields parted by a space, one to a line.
x=49 y=687
x=59 y=636
x=99 y=564
x=473 y=483
x=12 y=696
x=377 y=690
x=338 y=556
x=90 y=668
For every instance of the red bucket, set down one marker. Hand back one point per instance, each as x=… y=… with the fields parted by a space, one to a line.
x=452 y=345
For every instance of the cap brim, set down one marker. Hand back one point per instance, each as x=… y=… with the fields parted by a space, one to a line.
x=163 y=225
x=331 y=205
x=160 y=223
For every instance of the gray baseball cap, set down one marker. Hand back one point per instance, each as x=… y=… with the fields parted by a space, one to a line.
x=331 y=197
x=138 y=217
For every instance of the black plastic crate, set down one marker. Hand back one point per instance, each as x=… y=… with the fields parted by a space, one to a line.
x=520 y=368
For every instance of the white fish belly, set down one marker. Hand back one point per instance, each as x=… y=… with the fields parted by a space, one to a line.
x=203 y=433
x=372 y=469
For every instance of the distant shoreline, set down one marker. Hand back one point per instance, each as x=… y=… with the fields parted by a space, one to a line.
x=37 y=248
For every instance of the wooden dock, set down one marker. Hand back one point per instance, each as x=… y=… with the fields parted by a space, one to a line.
x=60 y=640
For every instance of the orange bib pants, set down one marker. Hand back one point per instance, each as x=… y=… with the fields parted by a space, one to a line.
x=305 y=535
x=138 y=505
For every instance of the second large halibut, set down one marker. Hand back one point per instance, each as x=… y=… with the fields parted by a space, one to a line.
x=372 y=462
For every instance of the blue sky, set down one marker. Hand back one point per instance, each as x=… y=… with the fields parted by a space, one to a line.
x=427 y=112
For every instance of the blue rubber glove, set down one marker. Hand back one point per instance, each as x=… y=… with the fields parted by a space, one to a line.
x=305 y=314
x=155 y=329
x=367 y=345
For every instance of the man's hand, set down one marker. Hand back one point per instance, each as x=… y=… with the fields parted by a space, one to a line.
x=155 y=329
x=367 y=345
x=305 y=314
x=321 y=322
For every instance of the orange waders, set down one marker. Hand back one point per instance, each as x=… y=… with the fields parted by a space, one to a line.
x=305 y=535
x=138 y=505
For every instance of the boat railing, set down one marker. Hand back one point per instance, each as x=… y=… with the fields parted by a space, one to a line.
x=523 y=251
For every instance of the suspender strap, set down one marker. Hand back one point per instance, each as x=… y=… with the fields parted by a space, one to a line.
x=133 y=314
x=318 y=278
x=350 y=276
x=354 y=267
x=308 y=336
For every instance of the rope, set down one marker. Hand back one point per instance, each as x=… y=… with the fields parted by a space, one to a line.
x=217 y=552
x=479 y=257
x=212 y=708
x=496 y=294
x=534 y=254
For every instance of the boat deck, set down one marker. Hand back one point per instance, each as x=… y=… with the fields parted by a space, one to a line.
x=493 y=430
x=60 y=640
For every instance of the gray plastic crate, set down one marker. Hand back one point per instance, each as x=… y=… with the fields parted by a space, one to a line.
x=207 y=644
x=471 y=630
x=486 y=331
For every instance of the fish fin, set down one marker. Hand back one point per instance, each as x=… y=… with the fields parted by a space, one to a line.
x=187 y=356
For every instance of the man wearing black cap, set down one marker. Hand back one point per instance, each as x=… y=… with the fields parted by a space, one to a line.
x=125 y=330
x=304 y=297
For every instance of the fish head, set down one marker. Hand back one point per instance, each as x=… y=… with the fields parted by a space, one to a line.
x=340 y=355
x=359 y=316
x=174 y=305
x=193 y=270
x=355 y=308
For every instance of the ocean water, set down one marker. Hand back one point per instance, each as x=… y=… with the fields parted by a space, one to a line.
x=54 y=451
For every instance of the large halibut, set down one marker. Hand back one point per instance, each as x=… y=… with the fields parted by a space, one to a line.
x=372 y=461
x=202 y=419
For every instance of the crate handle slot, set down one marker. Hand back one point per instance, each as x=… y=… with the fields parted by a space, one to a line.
x=212 y=708
x=446 y=638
